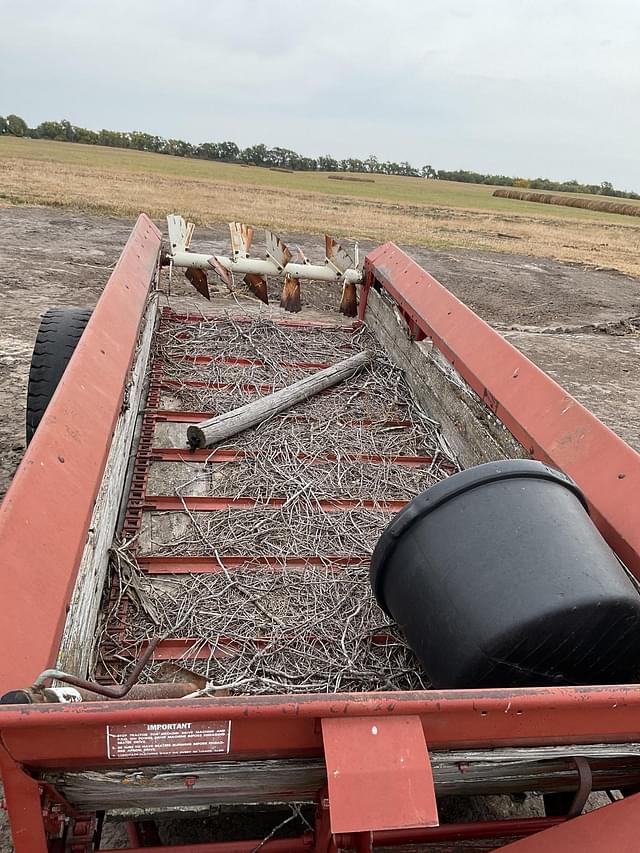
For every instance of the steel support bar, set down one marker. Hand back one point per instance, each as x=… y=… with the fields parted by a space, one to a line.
x=541 y=415
x=24 y=806
x=279 y=726
x=45 y=515
x=260 y=266
x=508 y=828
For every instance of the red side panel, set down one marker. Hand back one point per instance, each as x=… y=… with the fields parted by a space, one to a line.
x=45 y=515
x=541 y=415
x=612 y=828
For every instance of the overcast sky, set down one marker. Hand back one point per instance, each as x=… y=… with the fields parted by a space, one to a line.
x=522 y=87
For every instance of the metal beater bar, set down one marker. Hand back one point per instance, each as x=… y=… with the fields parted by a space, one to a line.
x=260 y=266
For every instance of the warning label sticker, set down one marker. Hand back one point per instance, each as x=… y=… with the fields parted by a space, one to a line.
x=144 y=740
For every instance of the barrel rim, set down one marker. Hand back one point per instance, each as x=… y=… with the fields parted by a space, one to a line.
x=450 y=488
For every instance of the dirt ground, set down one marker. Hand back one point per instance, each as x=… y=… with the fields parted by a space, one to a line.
x=580 y=325
x=548 y=309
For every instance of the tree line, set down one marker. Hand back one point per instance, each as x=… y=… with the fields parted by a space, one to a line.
x=282 y=158
x=603 y=188
x=227 y=152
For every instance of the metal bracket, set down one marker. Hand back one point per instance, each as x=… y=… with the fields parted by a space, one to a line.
x=379 y=774
x=337 y=256
x=277 y=252
x=241 y=239
x=180 y=233
x=585 y=784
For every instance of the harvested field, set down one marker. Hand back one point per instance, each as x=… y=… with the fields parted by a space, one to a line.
x=626 y=208
x=413 y=211
x=351 y=178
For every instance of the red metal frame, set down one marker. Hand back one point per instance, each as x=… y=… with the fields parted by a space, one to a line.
x=288 y=726
x=541 y=415
x=45 y=515
x=544 y=417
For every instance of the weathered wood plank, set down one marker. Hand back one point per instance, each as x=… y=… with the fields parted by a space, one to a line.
x=455 y=773
x=228 y=424
x=473 y=432
x=78 y=640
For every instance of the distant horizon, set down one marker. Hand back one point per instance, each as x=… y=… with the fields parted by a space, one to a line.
x=416 y=167
x=538 y=87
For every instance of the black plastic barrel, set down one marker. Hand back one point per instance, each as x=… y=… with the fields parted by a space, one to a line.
x=498 y=577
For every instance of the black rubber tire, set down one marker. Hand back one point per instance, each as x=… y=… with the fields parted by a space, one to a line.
x=58 y=335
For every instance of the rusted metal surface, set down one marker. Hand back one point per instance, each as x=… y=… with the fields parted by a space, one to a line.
x=288 y=726
x=117 y=692
x=585 y=784
x=45 y=515
x=378 y=773
x=542 y=416
x=277 y=251
x=290 y=297
x=349 y=300
x=24 y=806
x=222 y=272
x=339 y=265
x=302 y=844
x=198 y=278
x=257 y=284
x=337 y=256
x=153 y=690
x=497 y=829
